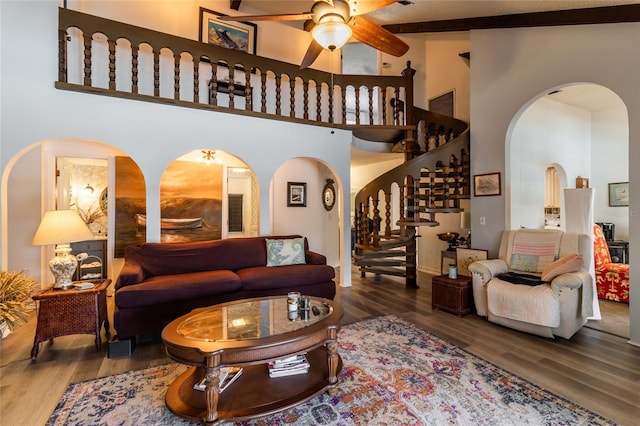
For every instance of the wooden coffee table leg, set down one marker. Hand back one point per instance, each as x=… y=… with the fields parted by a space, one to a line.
x=212 y=390
x=332 y=359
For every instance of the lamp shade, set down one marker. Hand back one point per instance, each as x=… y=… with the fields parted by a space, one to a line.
x=331 y=35
x=61 y=227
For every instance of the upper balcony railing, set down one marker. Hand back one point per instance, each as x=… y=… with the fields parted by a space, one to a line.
x=111 y=58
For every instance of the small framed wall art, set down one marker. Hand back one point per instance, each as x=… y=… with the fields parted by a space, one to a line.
x=230 y=34
x=296 y=194
x=619 y=194
x=486 y=184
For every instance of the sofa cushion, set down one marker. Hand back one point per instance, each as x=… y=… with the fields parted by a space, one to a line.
x=174 y=288
x=571 y=263
x=197 y=256
x=524 y=262
x=265 y=277
x=285 y=252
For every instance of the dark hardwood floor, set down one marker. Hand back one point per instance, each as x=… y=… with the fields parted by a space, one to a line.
x=597 y=370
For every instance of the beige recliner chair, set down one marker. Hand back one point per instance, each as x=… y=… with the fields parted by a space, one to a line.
x=557 y=297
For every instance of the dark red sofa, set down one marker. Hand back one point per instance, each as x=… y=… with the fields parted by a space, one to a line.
x=162 y=281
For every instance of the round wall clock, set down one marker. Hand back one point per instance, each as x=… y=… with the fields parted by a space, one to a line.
x=329 y=195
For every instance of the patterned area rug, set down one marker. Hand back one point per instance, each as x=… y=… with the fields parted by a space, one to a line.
x=395 y=373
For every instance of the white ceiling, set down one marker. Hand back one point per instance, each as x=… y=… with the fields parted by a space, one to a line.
x=435 y=10
x=586 y=96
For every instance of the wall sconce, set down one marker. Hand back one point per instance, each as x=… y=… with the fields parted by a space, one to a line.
x=88 y=190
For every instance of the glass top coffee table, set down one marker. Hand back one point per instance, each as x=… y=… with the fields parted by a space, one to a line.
x=249 y=333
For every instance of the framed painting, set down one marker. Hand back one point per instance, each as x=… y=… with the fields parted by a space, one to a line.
x=486 y=184
x=229 y=34
x=466 y=256
x=296 y=194
x=619 y=194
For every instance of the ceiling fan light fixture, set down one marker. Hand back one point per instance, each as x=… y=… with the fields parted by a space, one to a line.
x=331 y=34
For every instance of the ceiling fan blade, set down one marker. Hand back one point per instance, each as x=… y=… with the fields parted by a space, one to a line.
x=290 y=17
x=360 y=7
x=312 y=54
x=377 y=37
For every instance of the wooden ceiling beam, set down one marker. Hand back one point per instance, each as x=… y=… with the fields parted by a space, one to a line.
x=593 y=15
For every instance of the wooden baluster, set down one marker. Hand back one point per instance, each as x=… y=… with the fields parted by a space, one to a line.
x=263 y=92
x=402 y=204
x=156 y=73
x=384 y=105
x=387 y=214
x=213 y=85
x=357 y=90
x=370 y=90
x=344 y=104
x=196 y=81
x=292 y=97
x=248 y=91
x=87 y=60
x=465 y=172
x=176 y=77
x=278 y=95
x=62 y=56
x=112 y=64
x=134 y=68
x=305 y=100
x=232 y=87
x=456 y=178
x=396 y=108
x=357 y=224
x=319 y=102
x=376 y=222
x=331 y=93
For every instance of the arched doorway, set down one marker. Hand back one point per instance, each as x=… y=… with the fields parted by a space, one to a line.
x=583 y=131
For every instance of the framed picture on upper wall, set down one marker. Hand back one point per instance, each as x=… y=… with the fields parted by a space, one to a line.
x=486 y=184
x=619 y=194
x=230 y=34
x=296 y=194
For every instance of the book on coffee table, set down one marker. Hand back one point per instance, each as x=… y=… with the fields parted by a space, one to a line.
x=297 y=364
x=228 y=375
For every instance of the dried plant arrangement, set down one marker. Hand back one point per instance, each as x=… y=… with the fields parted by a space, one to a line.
x=15 y=289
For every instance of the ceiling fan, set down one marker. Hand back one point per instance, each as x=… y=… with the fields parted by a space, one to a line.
x=333 y=22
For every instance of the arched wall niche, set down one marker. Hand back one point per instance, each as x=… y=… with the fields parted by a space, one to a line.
x=324 y=229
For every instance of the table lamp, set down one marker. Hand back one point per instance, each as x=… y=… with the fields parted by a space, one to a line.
x=62 y=227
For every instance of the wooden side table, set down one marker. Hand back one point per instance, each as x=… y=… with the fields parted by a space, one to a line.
x=64 y=312
x=453 y=295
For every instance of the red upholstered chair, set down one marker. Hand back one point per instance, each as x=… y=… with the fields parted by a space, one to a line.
x=612 y=279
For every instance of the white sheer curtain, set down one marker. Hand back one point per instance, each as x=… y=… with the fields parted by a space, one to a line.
x=578 y=208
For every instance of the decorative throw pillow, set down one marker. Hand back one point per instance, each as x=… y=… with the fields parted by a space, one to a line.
x=285 y=252
x=570 y=263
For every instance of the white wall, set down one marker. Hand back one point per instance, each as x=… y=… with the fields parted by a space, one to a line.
x=152 y=134
x=610 y=163
x=548 y=132
x=447 y=71
x=510 y=69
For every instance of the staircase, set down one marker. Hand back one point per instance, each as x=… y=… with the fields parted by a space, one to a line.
x=432 y=181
